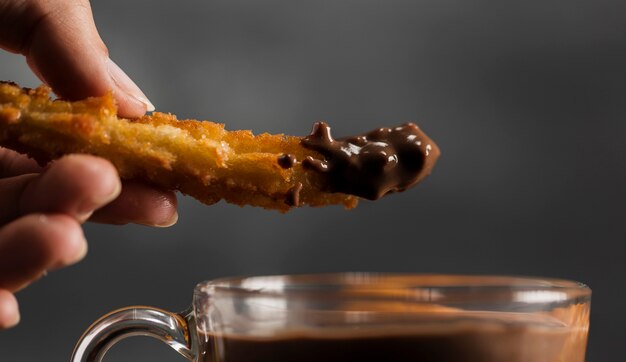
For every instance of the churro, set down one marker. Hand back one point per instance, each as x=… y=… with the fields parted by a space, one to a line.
x=209 y=163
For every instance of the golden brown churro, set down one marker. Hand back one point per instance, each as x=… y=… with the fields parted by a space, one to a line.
x=201 y=158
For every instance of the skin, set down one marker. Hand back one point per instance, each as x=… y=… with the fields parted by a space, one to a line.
x=42 y=209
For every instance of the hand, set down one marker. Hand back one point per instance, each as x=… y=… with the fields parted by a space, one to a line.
x=41 y=210
x=61 y=44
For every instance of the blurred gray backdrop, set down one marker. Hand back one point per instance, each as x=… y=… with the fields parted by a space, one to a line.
x=527 y=100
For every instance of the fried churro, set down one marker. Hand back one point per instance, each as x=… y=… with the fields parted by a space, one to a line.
x=209 y=163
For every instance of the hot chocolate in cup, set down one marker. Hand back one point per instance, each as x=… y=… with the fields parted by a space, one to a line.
x=364 y=317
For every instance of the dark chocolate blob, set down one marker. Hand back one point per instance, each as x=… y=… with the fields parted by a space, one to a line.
x=286 y=160
x=373 y=164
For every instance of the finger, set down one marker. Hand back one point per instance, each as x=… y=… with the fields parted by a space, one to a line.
x=13 y=164
x=62 y=46
x=9 y=311
x=75 y=185
x=141 y=204
x=35 y=244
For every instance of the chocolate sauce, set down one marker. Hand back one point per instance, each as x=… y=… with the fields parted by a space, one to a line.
x=293 y=195
x=286 y=160
x=374 y=164
x=464 y=342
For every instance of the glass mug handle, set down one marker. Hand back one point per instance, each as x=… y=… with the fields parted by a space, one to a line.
x=170 y=328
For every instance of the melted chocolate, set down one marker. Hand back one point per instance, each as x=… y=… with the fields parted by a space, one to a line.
x=286 y=160
x=374 y=164
x=293 y=195
x=471 y=341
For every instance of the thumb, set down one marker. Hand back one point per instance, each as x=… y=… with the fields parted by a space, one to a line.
x=62 y=46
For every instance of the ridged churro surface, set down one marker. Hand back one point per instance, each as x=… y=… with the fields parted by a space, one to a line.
x=198 y=158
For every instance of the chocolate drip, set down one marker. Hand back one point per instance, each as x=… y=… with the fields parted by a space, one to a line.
x=293 y=195
x=286 y=160
x=373 y=164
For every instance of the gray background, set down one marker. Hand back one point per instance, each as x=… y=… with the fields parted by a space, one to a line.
x=526 y=100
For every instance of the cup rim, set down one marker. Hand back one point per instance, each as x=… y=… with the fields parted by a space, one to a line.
x=377 y=282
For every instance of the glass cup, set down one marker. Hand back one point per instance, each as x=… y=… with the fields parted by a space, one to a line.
x=363 y=317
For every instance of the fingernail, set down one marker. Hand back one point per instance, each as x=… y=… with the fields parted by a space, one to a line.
x=123 y=82
x=169 y=222
x=164 y=223
x=173 y=220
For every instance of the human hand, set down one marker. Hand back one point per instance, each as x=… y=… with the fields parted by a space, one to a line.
x=42 y=209
x=61 y=44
